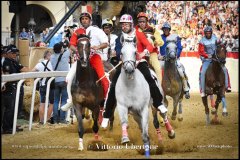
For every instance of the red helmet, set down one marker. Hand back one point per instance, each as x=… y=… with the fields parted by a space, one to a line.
x=142 y=14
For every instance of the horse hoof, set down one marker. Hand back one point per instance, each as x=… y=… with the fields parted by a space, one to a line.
x=213 y=111
x=173 y=117
x=80 y=148
x=224 y=114
x=171 y=134
x=180 y=118
x=125 y=140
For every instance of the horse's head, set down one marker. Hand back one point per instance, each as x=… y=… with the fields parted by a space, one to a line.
x=128 y=58
x=171 y=48
x=83 y=46
x=171 y=52
x=221 y=53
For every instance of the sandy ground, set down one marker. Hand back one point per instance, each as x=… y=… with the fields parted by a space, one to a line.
x=193 y=138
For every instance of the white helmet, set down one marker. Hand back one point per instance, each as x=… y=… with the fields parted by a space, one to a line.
x=107 y=21
x=126 y=18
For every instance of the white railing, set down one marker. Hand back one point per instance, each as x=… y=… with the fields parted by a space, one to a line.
x=21 y=77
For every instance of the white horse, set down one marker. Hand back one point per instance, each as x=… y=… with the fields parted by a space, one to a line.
x=132 y=95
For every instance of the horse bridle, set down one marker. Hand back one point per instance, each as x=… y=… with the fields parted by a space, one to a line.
x=220 y=60
x=85 y=38
x=131 y=62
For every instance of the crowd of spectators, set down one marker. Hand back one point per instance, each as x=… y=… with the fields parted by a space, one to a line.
x=188 y=19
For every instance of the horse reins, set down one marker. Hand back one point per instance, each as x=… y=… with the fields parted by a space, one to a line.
x=108 y=72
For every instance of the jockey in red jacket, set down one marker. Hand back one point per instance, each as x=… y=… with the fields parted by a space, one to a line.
x=99 y=41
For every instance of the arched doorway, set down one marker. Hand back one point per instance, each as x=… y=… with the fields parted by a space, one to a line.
x=41 y=15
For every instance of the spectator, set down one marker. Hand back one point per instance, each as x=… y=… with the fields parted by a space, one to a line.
x=45 y=66
x=24 y=35
x=59 y=61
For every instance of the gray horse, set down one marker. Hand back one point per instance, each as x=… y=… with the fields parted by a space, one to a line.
x=133 y=95
x=171 y=83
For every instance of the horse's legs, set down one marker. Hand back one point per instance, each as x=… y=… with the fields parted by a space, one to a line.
x=218 y=100
x=165 y=101
x=95 y=120
x=224 y=105
x=204 y=100
x=112 y=118
x=123 y=115
x=175 y=104
x=213 y=111
x=180 y=117
x=156 y=124
x=145 y=135
x=171 y=133
x=80 y=126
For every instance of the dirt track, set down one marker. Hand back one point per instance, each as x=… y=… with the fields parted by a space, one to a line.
x=193 y=138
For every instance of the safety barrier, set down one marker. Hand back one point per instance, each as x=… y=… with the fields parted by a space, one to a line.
x=21 y=77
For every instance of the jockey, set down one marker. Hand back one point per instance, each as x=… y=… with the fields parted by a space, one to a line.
x=166 y=32
x=207 y=47
x=109 y=52
x=99 y=41
x=131 y=35
x=154 y=38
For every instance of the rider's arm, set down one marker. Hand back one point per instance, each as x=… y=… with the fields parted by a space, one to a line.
x=179 y=47
x=158 y=38
x=142 y=40
x=201 y=50
x=118 y=47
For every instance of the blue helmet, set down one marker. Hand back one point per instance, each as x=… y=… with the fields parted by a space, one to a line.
x=208 y=29
x=166 y=25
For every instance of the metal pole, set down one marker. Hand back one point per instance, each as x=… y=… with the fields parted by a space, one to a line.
x=17 y=29
x=63 y=20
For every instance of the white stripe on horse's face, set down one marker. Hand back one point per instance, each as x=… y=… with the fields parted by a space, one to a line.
x=128 y=52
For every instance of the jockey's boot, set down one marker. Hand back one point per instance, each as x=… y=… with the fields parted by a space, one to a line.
x=67 y=106
x=162 y=109
x=186 y=88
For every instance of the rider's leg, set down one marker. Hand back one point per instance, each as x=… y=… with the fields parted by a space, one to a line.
x=69 y=79
x=110 y=99
x=227 y=80
x=155 y=64
x=205 y=65
x=153 y=60
x=97 y=65
x=154 y=90
x=184 y=78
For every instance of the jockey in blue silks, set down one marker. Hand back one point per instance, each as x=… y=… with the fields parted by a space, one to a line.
x=207 y=47
x=166 y=32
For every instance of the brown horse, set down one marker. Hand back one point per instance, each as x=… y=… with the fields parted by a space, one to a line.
x=215 y=82
x=86 y=92
x=171 y=83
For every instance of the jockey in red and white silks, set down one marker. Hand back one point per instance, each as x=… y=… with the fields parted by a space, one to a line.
x=98 y=41
x=207 y=47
